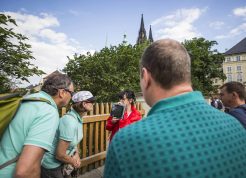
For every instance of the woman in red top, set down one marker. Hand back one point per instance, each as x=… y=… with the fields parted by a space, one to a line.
x=127 y=97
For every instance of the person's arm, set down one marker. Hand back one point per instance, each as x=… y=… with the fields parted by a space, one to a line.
x=62 y=156
x=38 y=140
x=77 y=157
x=111 y=123
x=29 y=162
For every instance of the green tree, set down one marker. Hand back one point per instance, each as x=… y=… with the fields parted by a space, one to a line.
x=206 y=64
x=107 y=72
x=15 y=55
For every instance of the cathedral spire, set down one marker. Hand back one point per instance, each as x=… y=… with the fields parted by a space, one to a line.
x=142 y=33
x=151 y=40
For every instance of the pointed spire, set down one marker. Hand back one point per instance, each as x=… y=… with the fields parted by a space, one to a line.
x=142 y=33
x=151 y=40
x=124 y=42
x=142 y=24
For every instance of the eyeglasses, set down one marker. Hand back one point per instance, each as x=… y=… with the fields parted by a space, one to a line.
x=70 y=92
x=89 y=102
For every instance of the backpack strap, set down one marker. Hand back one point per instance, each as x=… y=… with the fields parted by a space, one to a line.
x=9 y=162
x=36 y=99
x=11 y=95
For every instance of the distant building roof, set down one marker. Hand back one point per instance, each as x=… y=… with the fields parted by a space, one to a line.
x=53 y=73
x=238 y=48
x=30 y=86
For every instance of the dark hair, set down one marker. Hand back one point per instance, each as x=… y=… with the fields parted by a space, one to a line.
x=168 y=62
x=235 y=87
x=55 y=82
x=78 y=107
x=129 y=95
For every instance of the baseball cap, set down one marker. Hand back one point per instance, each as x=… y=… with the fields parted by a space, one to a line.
x=83 y=96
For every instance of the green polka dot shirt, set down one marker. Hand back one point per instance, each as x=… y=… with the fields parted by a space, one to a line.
x=182 y=137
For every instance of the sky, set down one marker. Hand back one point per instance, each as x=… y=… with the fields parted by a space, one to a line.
x=60 y=28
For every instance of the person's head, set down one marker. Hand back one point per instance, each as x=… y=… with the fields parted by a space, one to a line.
x=60 y=88
x=232 y=94
x=127 y=97
x=166 y=64
x=83 y=101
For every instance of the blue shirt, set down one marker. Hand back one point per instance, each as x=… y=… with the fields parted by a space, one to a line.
x=35 y=123
x=239 y=113
x=183 y=137
x=70 y=129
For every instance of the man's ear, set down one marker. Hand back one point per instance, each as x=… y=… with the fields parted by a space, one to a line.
x=146 y=77
x=234 y=94
x=61 y=93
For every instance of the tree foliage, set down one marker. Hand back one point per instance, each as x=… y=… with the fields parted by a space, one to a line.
x=15 y=55
x=113 y=69
x=108 y=71
x=206 y=64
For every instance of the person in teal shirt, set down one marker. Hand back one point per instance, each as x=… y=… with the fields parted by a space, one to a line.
x=182 y=136
x=69 y=134
x=33 y=128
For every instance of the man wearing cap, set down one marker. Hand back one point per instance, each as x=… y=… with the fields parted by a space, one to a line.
x=69 y=134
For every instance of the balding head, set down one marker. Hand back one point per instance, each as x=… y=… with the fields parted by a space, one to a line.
x=168 y=62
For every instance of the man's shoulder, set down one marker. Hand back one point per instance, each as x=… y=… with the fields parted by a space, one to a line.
x=42 y=96
x=69 y=120
x=240 y=110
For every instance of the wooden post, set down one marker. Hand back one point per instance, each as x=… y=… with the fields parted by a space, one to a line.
x=84 y=145
x=106 y=108
x=96 y=133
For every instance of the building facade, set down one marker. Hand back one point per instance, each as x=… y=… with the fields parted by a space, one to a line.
x=234 y=66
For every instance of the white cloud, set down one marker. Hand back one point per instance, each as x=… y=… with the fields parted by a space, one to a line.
x=50 y=48
x=234 y=32
x=217 y=25
x=179 y=25
x=239 y=29
x=241 y=11
x=53 y=36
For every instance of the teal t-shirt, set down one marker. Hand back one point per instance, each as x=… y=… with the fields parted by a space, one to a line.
x=182 y=137
x=70 y=129
x=34 y=124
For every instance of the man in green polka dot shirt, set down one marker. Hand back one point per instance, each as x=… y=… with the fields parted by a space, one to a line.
x=182 y=136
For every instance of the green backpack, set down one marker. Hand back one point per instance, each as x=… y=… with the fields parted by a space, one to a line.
x=9 y=104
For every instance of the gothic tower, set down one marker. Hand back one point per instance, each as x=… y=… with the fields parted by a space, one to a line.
x=142 y=33
x=151 y=40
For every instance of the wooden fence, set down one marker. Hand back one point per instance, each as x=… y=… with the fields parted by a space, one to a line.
x=95 y=136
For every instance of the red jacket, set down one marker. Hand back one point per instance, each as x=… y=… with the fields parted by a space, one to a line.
x=133 y=117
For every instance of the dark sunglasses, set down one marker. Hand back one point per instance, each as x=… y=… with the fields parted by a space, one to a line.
x=92 y=102
x=71 y=92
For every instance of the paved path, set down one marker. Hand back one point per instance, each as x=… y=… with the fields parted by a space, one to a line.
x=95 y=173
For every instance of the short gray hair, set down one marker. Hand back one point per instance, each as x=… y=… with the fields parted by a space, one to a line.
x=55 y=82
x=168 y=62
